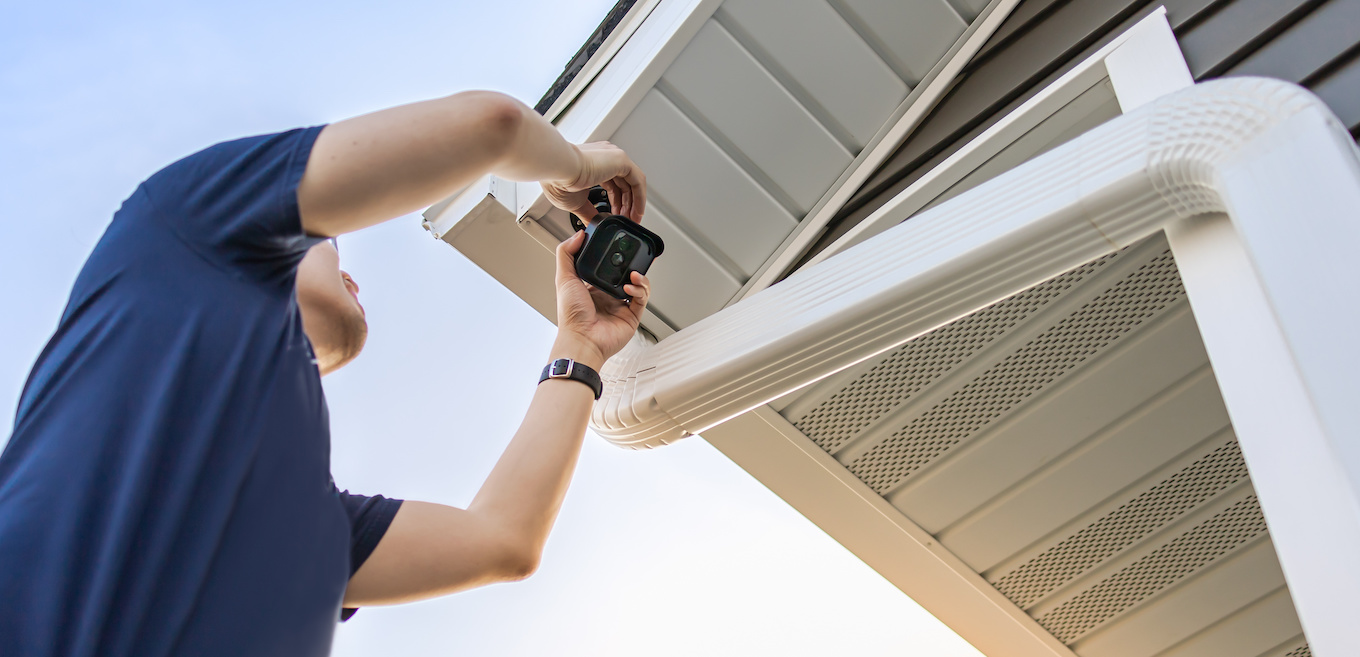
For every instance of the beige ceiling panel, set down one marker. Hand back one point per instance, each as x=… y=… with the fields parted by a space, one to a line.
x=700 y=187
x=914 y=34
x=723 y=88
x=822 y=60
x=972 y=406
x=687 y=285
x=1268 y=622
x=968 y=9
x=846 y=418
x=1124 y=524
x=1175 y=419
x=1176 y=552
x=1055 y=423
x=1217 y=593
x=978 y=423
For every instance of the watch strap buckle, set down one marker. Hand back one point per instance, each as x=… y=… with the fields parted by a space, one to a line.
x=567 y=368
x=561 y=368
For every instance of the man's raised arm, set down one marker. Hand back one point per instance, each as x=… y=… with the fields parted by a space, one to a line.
x=368 y=169
x=379 y=166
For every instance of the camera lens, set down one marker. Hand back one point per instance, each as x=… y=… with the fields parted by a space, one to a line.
x=616 y=259
x=625 y=243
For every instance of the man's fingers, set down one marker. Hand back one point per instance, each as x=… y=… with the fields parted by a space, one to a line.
x=566 y=257
x=644 y=284
x=640 y=289
x=626 y=201
x=636 y=182
x=639 y=201
x=613 y=190
x=586 y=212
x=608 y=166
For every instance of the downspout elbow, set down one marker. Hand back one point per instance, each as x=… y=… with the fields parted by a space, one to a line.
x=627 y=413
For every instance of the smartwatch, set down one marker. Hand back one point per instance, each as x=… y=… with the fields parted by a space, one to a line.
x=566 y=368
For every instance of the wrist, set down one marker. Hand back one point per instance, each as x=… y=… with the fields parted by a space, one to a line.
x=577 y=348
x=578 y=182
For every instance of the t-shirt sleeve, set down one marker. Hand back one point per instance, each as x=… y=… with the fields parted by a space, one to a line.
x=369 y=518
x=235 y=203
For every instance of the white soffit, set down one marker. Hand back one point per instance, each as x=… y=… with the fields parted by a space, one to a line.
x=744 y=114
x=1069 y=445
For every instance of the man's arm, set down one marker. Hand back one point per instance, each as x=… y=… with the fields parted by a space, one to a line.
x=376 y=167
x=368 y=169
x=432 y=549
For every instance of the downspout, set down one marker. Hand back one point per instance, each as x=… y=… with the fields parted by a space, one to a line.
x=1180 y=156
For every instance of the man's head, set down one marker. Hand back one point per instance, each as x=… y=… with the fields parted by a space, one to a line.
x=331 y=314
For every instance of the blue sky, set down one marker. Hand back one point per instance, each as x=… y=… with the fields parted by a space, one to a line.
x=670 y=552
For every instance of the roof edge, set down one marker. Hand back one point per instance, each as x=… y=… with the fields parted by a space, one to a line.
x=582 y=56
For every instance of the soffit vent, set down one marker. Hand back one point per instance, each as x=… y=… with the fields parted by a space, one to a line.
x=1177 y=495
x=1129 y=303
x=920 y=362
x=1301 y=651
x=1184 y=555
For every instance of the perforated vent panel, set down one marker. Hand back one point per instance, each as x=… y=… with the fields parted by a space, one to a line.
x=1136 y=519
x=1189 y=552
x=918 y=363
x=1132 y=301
x=1068 y=444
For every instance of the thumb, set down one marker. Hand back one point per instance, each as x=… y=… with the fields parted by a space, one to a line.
x=566 y=256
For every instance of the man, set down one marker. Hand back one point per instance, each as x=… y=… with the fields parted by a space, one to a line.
x=166 y=490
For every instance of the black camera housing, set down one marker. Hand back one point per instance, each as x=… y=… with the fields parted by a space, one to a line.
x=616 y=246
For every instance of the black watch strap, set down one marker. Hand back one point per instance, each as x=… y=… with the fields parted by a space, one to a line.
x=566 y=368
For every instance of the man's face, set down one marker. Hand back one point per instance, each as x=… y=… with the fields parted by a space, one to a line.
x=331 y=314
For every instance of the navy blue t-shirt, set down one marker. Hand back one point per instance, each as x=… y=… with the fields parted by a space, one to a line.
x=167 y=490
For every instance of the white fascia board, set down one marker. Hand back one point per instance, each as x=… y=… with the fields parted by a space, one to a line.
x=903 y=121
x=603 y=55
x=793 y=467
x=454 y=214
x=1142 y=63
x=480 y=222
x=1145 y=62
x=1268 y=155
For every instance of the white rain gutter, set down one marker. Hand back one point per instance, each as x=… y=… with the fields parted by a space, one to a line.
x=1201 y=150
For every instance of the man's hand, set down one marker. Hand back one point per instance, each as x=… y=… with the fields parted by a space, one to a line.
x=592 y=325
x=604 y=164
